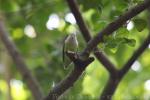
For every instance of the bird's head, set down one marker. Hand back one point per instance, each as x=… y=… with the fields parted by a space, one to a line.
x=73 y=35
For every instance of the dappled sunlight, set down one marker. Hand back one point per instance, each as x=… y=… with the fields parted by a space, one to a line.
x=71 y=29
x=130 y=25
x=17 y=90
x=53 y=22
x=94 y=79
x=147 y=85
x=3 y=90
x=147 y=89
x=3 y=86
x=30 y=31
x=113 y=33
x=70 y=18
x=17 y=33
x=145 y=59
x=136 y=66
x=131 y=87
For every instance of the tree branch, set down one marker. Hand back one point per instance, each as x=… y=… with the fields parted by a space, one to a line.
x=115 y=25
x=136 y=54
x=74 y=75
x=110 y=88
x=69 y=81
x=20 y=64
x=87 y=36
x=113 y=81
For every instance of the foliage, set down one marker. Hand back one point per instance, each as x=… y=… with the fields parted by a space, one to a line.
x=43 y=53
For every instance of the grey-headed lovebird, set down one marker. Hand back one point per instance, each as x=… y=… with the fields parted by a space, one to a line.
x=70 y=44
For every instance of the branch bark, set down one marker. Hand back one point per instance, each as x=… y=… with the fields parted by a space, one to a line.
x=110 y=88
x=69 y=81
x=115 y=25
x=87 y=36
x=74 y=75
x=136 y=54
x=113 y=81
x=20 y=64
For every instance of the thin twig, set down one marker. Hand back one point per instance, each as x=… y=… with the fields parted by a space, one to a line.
x=20 y=64
x=107 y=31
x=136 y=54
x=87 y=36
x=113 y=81
x=115 y=25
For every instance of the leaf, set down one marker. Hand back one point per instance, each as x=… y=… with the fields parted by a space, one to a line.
x=114 y=14
x=130 y=42
x=140 y=24
x=90 y=4
x=114 y=50
x=113 y=43
x=101 y=46
x=122 y=32
x=121 y=6
x=99 y=25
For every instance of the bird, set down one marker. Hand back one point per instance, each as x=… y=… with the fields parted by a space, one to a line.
x=70 y=44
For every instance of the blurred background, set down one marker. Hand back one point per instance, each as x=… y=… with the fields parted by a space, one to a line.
x=38 y=28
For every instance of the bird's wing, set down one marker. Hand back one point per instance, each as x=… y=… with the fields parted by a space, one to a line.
x=63 y=51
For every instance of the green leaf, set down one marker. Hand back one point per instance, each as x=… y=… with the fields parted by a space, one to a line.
x=140 y=24
x=113 y=43
x=99 y=25
x=114 y=14
x=101 y=46
x=122 y=32
x=114 y=50
x=120 y=5
x=90 y=4
x=130 y=42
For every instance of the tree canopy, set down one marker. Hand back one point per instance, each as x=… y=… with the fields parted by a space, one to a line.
x=38 y=29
